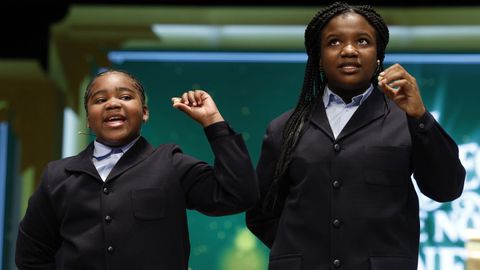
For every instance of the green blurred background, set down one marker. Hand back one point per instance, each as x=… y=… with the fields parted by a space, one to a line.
x=41 y=101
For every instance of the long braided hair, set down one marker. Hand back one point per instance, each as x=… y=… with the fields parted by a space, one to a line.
x=313 y=84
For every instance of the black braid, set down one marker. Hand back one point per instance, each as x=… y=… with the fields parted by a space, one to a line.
x=314 y=83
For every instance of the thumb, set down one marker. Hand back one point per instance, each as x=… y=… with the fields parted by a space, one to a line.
x=182 y=107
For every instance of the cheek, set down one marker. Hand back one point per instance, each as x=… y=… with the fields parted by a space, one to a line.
x=373 y=57
x=371 y=62
x=329 y=70
x=138 y=116
x=374 y=67
x=93 y=124
x=327 y=56
x=93 y=116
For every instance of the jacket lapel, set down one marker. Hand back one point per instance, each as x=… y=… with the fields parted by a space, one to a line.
x=373 y=108
x=138 y=152
x=83 y=163
x=319 y=118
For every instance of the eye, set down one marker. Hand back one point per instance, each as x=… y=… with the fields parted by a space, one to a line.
x=333 y=42
x=99 y=100
x=126 y=97
x=363 y=41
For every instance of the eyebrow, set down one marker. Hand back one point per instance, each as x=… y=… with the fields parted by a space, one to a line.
x=367 y=34
x=117 y=89
x=336 y=34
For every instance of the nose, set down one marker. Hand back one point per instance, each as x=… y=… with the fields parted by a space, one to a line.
x=349 y=50
x=112 y=103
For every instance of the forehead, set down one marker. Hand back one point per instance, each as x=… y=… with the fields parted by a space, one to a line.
x=113 y=80
x=348 y=23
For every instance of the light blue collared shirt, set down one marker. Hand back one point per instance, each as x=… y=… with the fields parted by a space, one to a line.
x=338 y=112
x=105 y=157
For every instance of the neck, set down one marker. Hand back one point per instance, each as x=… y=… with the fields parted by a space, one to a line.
x=116 y=144
x=348 y=94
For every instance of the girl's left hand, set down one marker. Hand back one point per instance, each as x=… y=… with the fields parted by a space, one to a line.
x=402 y=88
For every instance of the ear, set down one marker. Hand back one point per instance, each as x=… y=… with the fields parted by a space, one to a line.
x=146 y=114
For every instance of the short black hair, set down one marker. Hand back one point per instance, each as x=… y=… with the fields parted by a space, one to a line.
x=136 y=83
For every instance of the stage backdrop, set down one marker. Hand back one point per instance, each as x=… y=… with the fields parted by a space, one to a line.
x=251 y=88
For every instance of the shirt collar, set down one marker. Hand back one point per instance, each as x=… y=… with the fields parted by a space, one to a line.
x=100 y=149
x=330 y=97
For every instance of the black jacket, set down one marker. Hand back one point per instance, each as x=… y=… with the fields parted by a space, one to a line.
x=136 y=219
x=351 y=203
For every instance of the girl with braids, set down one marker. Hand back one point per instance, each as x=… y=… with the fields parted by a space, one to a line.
x=335 y=173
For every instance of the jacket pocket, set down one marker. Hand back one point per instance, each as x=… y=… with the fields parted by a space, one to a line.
x=285 y=262
x=149 y=203
x=387 y=165
x=393 y=263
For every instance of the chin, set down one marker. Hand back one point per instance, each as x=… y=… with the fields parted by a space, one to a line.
x=356 y=85
x=114 y=141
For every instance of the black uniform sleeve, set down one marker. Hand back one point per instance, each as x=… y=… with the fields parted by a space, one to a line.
x=38 y=234
x=437 y=167
x=230 y=186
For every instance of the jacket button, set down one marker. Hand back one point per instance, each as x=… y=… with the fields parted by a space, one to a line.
x=337 y=263
x=336 y=147
x=336 y=223
x=108 y=218
x=106 y=190
x=421 y=125
x=110 y=249
x=336 y=184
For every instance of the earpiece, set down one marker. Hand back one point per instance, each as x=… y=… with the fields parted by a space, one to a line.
x=378 y=67
x=85 y=133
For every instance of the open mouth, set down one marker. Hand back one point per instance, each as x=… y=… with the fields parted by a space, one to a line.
x=114 y=121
